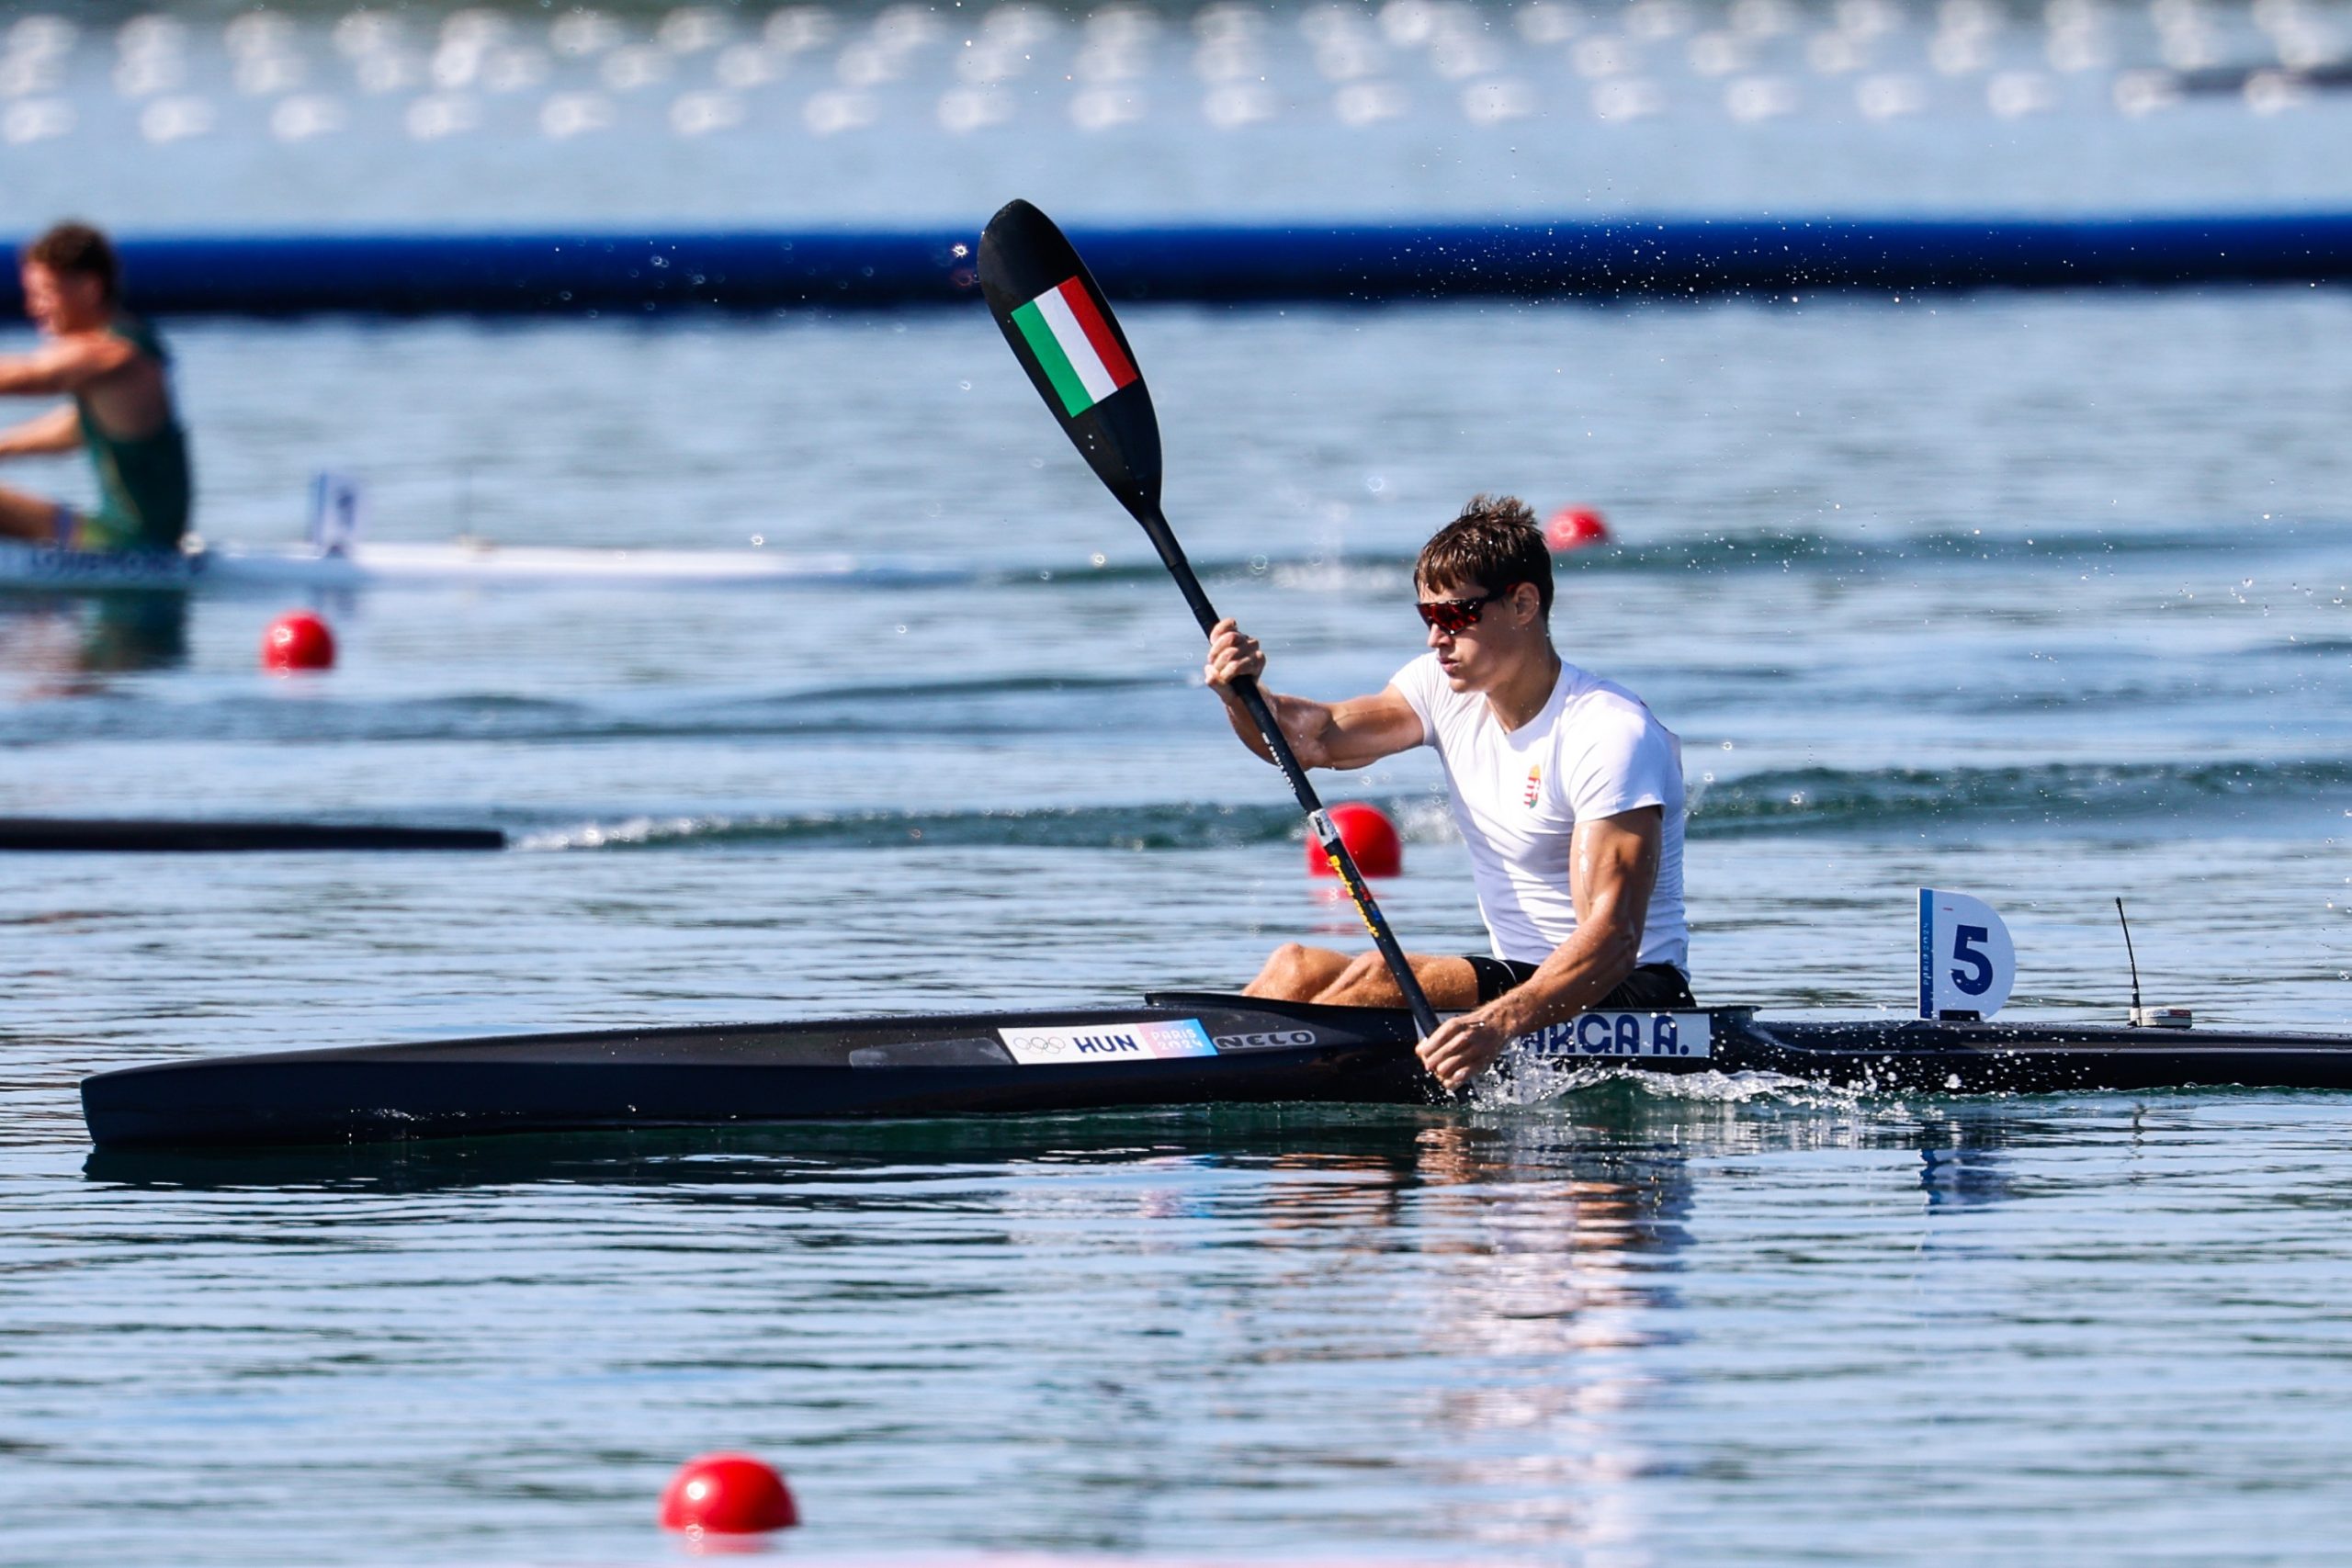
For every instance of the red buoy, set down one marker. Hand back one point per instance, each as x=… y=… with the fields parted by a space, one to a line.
x=727 y=1494
x=297 y=641
x=1372 y=839
x=1575 y=528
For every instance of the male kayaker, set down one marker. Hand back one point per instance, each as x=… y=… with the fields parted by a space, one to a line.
x=115 y=369
x=1565 y=786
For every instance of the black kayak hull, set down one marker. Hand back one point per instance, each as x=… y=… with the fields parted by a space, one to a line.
x=127 y=835
x=1231 y=1050
x=850 y=1068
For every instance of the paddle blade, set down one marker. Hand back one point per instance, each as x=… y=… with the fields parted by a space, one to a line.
x=1062 y=331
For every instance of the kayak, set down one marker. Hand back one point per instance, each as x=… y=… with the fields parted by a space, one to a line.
x=1176 y=1048
x=176 y=836
x=476 y=562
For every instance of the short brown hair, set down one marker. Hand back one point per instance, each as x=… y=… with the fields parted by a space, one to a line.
x=78 y=247
x=1495 y=544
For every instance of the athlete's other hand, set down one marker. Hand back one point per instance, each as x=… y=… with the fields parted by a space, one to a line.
x=1232 y=657
x=1462 y=1048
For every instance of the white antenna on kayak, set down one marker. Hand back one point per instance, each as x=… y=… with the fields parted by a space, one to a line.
x=2146 y=1016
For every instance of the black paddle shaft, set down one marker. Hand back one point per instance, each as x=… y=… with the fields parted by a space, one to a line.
x=1064 y=333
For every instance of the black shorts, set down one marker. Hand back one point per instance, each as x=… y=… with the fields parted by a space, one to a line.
x=1659 y=988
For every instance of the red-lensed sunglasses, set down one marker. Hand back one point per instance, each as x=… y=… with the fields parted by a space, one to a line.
x=1454 y=616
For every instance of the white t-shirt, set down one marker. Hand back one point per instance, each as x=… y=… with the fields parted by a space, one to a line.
x=1595 y=750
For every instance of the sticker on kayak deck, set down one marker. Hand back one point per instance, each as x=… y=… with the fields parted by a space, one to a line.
x=1621 y=1034
x=1272 y=1040
x=1109 y=1041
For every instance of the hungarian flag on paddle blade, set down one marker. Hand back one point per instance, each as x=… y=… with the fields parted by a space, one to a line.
x=1074 y=347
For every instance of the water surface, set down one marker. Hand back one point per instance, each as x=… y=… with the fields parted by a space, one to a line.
x=2040 y=598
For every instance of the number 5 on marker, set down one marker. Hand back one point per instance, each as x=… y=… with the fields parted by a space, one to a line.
x=1966 y=961
x=1974 y=971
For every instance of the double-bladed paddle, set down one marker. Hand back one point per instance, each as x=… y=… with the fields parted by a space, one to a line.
x=1062 y=331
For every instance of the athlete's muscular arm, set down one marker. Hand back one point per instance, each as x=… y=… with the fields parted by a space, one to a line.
x=1615 y=870
x=67 y=366
x=59 y=430
x=1352 y=734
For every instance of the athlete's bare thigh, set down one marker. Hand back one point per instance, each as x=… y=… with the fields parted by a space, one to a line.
x=1300 y=974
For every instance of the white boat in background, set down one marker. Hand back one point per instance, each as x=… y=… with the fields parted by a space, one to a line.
x=461 y=562
x=335 y=557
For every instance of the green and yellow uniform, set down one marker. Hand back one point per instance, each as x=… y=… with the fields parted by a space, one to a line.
x=145 y=487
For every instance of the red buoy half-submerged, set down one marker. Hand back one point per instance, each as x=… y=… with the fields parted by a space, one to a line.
x=727 y=1495
x=297 y=641
x=1371 y=837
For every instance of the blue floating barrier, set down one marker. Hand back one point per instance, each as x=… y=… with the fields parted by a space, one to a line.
x=754 y=269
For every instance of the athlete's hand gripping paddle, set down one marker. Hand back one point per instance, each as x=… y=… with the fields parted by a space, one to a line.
x=1063 y=332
